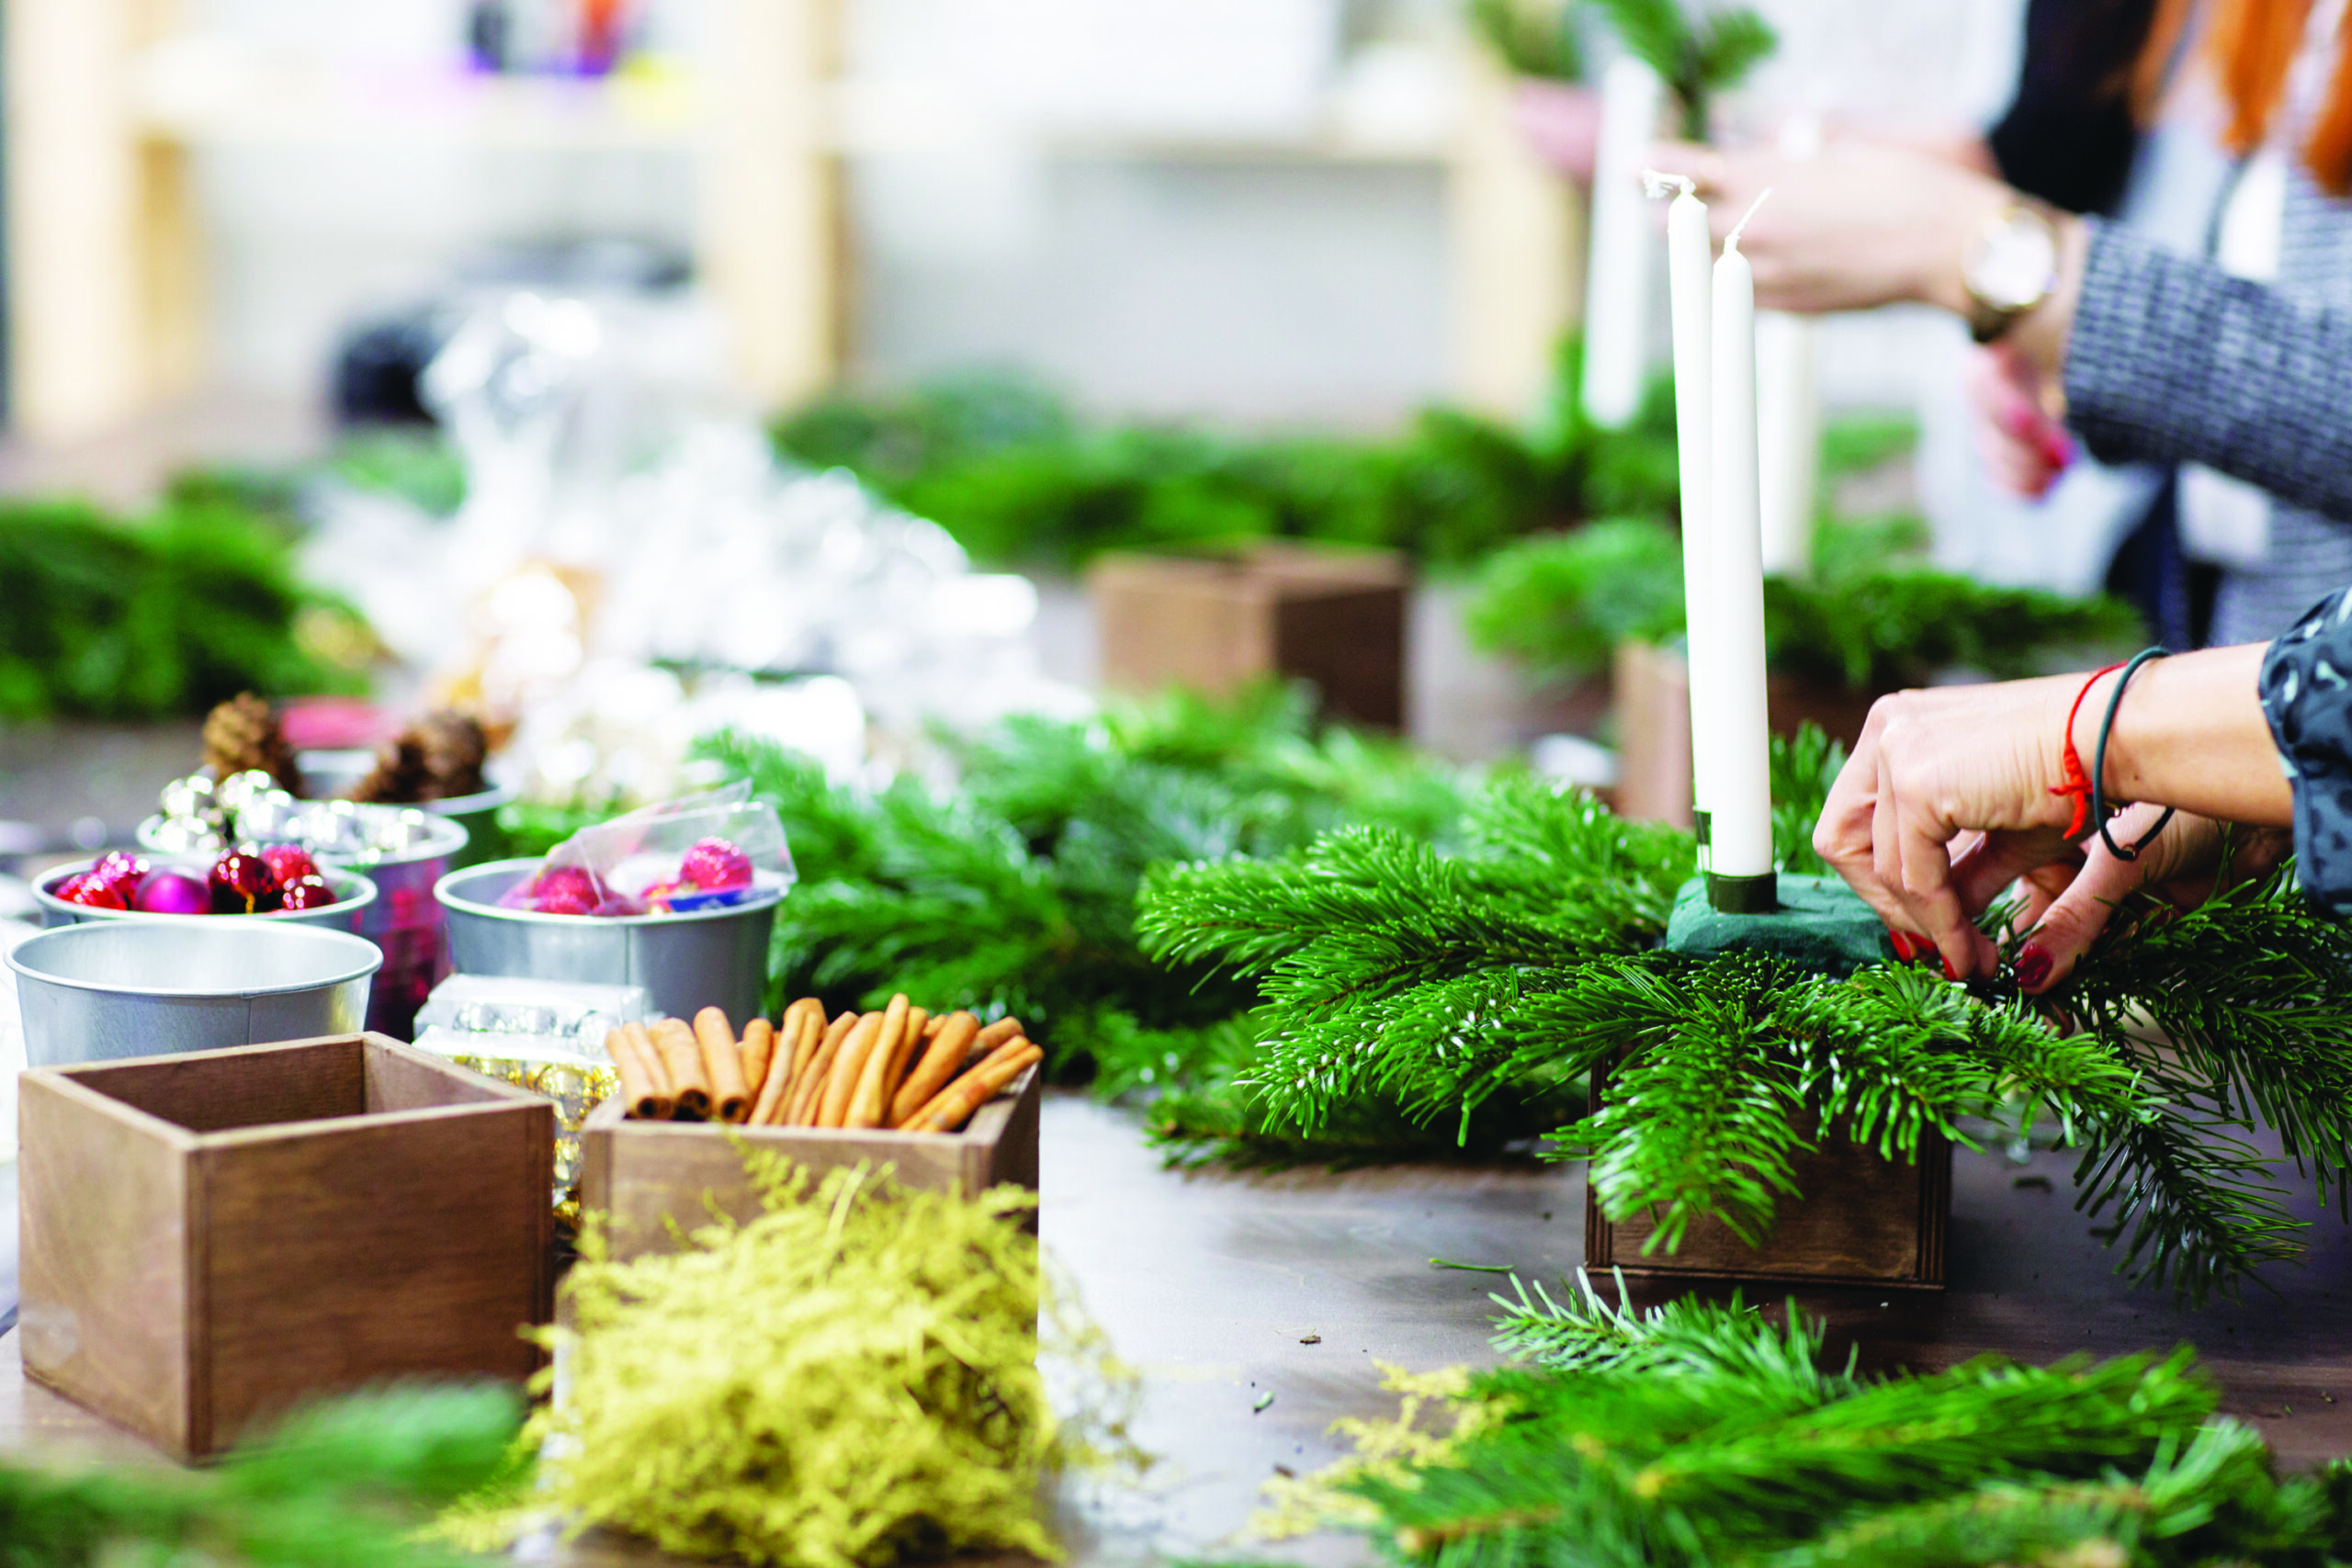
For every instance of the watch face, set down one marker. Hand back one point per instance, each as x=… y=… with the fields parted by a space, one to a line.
x=2015 y=266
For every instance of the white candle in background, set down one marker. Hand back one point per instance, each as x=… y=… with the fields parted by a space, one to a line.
x=1788 y=409
x=1689 y=266
x=1618 y=263
x=1740 y=808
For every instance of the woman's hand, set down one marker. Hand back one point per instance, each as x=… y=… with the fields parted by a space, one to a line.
x=1955 y=793
x=2020 y=444
x=1861 y=225
x=1930 y=767
x=2068 y=903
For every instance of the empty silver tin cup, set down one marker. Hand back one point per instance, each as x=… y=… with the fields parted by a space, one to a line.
x=354 y=893
x=685 y=962
x=146 y=988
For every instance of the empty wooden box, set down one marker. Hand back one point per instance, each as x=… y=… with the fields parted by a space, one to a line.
x=643 y=1174
x=1862 y=1221
x=1214 y=621
x=212 y=1237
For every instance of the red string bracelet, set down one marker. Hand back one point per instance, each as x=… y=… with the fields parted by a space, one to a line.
x=2079 y=782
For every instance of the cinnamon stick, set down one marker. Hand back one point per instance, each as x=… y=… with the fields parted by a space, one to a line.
x=942 y=1060
x=681 y=1059
x=848 y=1068
x=644 y=1094
x=955 y=1105
x=870 y=1096
x=997 y=1033
x=759 y=1055
x=716 y=1036
x=807 y=1088
x=775 y=1095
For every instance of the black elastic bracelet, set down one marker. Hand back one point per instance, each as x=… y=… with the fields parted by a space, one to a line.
x=2098 y=765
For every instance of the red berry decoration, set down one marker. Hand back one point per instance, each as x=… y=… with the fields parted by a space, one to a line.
x=172 y=892
x=122 y=871
x=565 y=890
x=290 y=862
x=242 y=884
x=713 y=864
x=91 y=891
x=312 y=892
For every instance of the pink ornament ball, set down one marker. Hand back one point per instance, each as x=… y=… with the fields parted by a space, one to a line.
x=714 y=864
x=565 y=890
x=242 y=884
x=172 y=893
x=312 y=892
x=122 y=871
x=290 y=862
x=91 y=891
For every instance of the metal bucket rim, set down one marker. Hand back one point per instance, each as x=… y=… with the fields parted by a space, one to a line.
x=446 y=894
x=448 y=838
x=336 y=876
x=57 y=934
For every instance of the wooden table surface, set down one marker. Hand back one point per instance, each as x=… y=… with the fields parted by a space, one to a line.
x=1210 y=1283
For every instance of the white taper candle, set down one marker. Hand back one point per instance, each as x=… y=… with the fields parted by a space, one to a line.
x=1788 y=411
x=1689 y=262
x=1740 y=809
x=1622 y=249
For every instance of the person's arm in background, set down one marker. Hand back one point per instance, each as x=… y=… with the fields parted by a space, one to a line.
x=2164 y=358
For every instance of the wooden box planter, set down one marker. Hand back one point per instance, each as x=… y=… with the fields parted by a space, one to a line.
x=642 y=1175
x=1862 y=1221
x=1216 y=621
x=210 y=1238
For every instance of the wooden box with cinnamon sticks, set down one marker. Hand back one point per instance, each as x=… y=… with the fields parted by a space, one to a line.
x=945 y=1099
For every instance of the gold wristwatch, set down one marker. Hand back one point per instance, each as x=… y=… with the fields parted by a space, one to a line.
x=2012 y=267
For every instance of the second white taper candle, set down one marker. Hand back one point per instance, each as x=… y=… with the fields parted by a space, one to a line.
x=1740 y=877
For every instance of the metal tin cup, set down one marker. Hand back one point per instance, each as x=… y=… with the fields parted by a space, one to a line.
x=153 y=986
x=329 y=773
x=353 y=895
x=685 y=962
x=406 y=920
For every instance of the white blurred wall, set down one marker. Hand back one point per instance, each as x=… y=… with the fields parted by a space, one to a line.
x=1255 y=287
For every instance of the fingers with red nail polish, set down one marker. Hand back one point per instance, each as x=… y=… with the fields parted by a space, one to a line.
x=2033 y=967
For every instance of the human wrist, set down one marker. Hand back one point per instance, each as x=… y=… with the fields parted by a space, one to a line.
x=1947 y=245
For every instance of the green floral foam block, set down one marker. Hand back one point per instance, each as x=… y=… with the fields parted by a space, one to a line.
x=1821 y=924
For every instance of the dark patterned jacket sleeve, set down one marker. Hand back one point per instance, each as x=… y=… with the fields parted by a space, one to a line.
x=2173 y=360
x=2307 y=697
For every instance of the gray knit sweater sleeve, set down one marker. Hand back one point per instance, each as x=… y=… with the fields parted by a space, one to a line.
x=2173 y=360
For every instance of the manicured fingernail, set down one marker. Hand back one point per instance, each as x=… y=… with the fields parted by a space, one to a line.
x=1949 y=973
x=1903 y=948
x=2033 y=965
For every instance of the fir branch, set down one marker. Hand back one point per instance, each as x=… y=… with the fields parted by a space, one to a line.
x=1538 y=40
x=1686 y=1337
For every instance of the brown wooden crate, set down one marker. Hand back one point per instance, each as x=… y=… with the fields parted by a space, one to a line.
x=1861 y=1219
x=1216 y=621
x=642 y=1174
x=213 y=1238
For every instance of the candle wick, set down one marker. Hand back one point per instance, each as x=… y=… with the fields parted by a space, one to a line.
x=1655 y=185
x=1731 y=240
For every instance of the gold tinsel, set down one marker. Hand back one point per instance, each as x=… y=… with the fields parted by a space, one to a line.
x=847 y=1379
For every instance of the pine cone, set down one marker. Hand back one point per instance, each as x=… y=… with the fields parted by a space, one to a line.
x=242 y=735
x=400 y=776
x=454 y=749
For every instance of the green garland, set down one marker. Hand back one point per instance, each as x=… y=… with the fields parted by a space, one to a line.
x=162 y=616
x=1017 y=895
x=1700 y=1433
x=1015 y=477
x=1528 y=960
x=316 y=1492
x=1874 y=616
